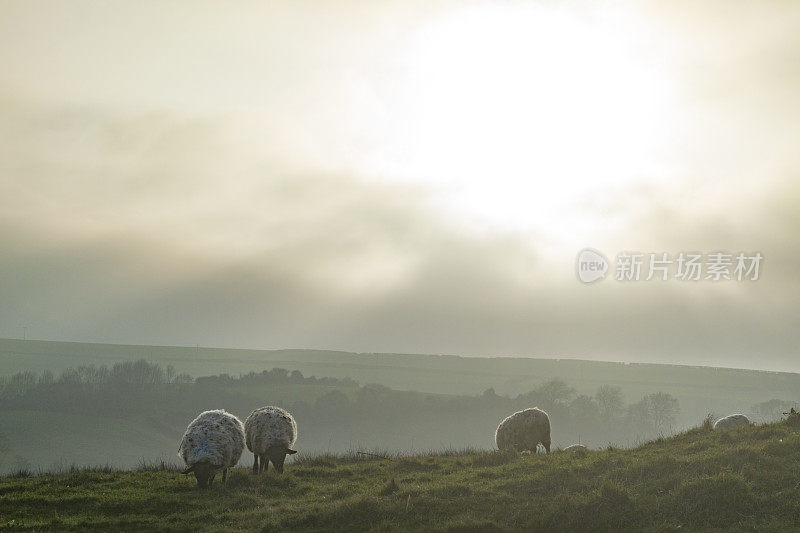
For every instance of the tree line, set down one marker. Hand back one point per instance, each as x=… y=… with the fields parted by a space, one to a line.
x=341 y=410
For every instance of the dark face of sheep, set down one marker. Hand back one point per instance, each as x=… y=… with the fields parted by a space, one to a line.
x=204 y=473
x=277 y=454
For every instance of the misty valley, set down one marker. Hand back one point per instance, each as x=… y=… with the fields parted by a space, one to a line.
x=132 y=412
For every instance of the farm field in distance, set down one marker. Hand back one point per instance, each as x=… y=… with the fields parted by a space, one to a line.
x=700 y=389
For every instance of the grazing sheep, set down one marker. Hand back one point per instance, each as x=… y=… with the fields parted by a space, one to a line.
x=793 y=418
x=270 y=433
x=524 y=430
x=731 y=421
x=213 y=441
x=576 y=448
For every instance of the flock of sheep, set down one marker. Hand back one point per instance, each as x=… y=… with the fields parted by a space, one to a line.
x=215 y=440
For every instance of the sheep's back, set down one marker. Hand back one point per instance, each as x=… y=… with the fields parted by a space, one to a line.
x=523 y=429
x=214 y=436
x=731 y=421
x=269 y=426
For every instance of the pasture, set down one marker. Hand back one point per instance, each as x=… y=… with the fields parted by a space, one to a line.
x=744 y=478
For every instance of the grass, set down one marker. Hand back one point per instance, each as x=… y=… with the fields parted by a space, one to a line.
x=56 y=440
x=743 y=479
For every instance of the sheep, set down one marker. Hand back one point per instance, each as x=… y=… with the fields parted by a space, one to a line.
x=576 y=448
x=213 y=441
x=793 y=417
x=524 y=430
x=270 y=433
x=731 y=421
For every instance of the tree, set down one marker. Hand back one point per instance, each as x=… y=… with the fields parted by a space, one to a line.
x=332 y=401
x=182 y=379
x=279 y=374
x=555 y=392
x=663 y=409
x=137 y=373
x=638 y=415
x=609 y=401
x=371 y=394
x=583 y=409
x=46 y=378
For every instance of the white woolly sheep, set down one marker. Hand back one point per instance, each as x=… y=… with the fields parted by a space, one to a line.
x=524 y=430
x=213 y=441
x=270 y=433
x=731 y=421
x=576 y=448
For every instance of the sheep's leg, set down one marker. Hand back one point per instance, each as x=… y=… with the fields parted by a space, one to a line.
x=279 y=464
x=264 y=463
x=224 y=475
x=255 y=464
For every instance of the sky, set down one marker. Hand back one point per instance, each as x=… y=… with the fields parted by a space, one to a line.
x=400 y=176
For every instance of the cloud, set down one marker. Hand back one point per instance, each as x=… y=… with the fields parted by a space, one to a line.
x=177 y=254
x=241 y=217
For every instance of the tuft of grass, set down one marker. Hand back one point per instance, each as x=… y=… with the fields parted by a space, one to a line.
x=495 y=458
x=160 y=465
x=742 y=479
x=391 y=488
x=709 y=500
x=21 y=473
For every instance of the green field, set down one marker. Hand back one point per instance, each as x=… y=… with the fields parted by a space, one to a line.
x=52 y=440
x=742 y=479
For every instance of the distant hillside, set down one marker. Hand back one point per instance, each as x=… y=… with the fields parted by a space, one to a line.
x=699 y=389
x=133 y=411
x=741 y=479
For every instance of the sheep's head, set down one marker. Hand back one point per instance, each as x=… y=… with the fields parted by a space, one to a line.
x=793 y=417
x=204 y=472
x=277 y=454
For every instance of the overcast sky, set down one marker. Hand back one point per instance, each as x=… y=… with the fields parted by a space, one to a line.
x=400 y=177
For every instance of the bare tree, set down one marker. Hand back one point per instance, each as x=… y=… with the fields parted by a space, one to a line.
x=663 y=409
x=609 y=401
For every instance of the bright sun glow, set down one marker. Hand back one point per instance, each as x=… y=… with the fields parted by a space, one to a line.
x=520 y=113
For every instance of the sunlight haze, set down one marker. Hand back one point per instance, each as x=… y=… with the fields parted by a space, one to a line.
x=400 y=177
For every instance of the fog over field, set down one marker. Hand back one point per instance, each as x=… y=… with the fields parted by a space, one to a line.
x=399 y=177
x=97 y=404
x=497 y=265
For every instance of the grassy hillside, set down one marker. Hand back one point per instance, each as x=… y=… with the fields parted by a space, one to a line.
x=700 y=390
x=746 y=478
x=50 y=440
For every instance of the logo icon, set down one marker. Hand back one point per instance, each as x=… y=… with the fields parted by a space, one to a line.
x=591 y=265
